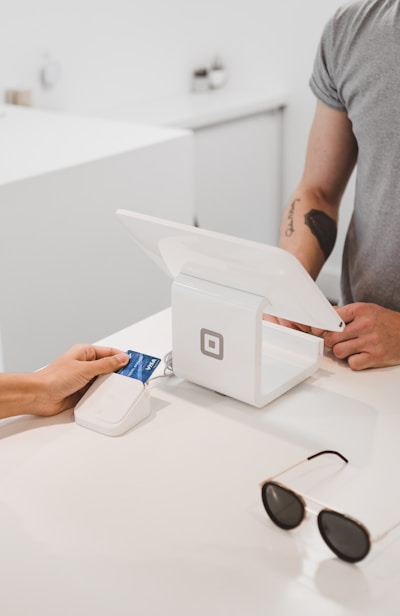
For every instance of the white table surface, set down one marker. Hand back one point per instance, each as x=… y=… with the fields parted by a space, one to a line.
x=168 y=519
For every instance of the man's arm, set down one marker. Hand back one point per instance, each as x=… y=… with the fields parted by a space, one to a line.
x=371 y=338
x=309 y=224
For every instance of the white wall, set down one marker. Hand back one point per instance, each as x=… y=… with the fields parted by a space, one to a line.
x=122 y=49
x=113 y=51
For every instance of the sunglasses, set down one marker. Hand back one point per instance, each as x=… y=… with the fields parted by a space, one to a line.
x=345 y=536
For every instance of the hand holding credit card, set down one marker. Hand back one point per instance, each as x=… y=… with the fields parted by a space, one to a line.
x=113 y=405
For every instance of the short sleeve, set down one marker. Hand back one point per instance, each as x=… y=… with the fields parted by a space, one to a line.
x=322 y=82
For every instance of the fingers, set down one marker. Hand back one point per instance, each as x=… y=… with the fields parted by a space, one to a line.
x=90 y=352
x=370 y=338
x=360 y=361
x=270 y=318
x=109 y=352
x=90 y=360
x=286 y=323
x=349 y=312
x=112 y=363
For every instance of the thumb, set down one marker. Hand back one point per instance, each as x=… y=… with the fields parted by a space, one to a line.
x=104 y=365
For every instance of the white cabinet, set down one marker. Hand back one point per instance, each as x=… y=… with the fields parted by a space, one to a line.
x=238 y=176
x=69 y=271
x=237 y=156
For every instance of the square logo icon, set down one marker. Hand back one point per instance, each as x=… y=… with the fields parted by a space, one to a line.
x=211 y=343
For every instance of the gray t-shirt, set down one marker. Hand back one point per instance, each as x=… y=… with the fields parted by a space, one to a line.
x=357 y=70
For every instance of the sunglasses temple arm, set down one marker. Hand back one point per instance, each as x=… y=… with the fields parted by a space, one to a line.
x=385 y=533
x=289 y=468
x=315 y=455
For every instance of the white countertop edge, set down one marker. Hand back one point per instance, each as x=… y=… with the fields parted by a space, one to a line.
x=198 y=110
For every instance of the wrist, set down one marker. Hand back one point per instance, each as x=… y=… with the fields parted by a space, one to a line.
x=19 y=394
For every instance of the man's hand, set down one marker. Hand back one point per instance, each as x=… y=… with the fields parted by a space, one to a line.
x=371 y=338
x=292 y=325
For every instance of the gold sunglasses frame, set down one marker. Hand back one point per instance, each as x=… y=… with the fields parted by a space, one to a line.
x=303 y=498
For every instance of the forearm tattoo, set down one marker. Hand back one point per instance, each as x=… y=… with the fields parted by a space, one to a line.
x=324 y=228
x=290 y=226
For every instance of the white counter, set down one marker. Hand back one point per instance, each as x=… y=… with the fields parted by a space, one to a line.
x=168 y=520
x=35 y=142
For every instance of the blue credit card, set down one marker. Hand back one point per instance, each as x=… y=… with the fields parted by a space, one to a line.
x=140 y=366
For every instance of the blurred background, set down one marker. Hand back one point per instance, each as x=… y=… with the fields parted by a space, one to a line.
x=91 y=58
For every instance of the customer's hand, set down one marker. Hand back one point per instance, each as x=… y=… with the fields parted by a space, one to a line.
x=62 y=383
x=371 y=338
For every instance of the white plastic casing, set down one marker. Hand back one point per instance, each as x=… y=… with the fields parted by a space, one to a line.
x=220 y=341
x=113 y=404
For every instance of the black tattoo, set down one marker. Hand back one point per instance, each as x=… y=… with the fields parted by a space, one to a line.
x=324 y=228
x=290 y=227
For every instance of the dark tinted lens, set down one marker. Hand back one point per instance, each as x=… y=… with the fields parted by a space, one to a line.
x=283 y=506
x=348 y=539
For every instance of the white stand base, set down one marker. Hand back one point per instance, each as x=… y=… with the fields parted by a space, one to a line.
x=113 y=404
x=220 y=341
